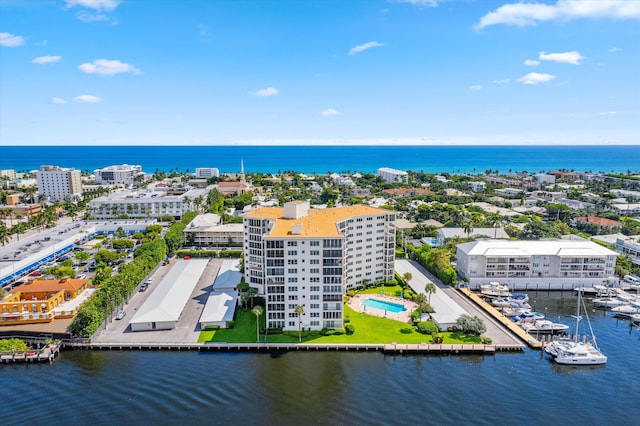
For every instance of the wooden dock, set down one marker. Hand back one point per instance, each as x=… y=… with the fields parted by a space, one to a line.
x=47 y=353
x=509 y=324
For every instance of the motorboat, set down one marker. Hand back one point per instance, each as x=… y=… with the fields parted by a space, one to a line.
x=509 y=302
x=621 y=298
x=527 y=316
x=635 y=319
x=574 y=352
x=494 y=289
x=596 y=290
x=512 y=312
x=544 y=327
x=628 y=309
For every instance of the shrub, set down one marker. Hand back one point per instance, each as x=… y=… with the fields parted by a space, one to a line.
x=437 y=339
x=406 y=330
x=231 y=323
x=273 y=330
x=215 y=327
x=338 y=331
x=351 y=292
x=391 y=283
x=314 y=333
x=349 y=329
x=427 y=327
x=486 y=340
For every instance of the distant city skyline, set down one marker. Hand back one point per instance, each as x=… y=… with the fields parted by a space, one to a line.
x=368 y=72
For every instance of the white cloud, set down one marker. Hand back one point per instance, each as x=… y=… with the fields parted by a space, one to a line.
x=330 y=112
x=108 y=67
x=46 y=59
x=531 y=63
x=363 y=47
x=107 y=5
x=269 y=91
x=58 y=101
x=574 y=57
x=503 y=81
x=10 y=40
x=475 y=87
x=85 y=16
x=424 y=3
x=529 y=14
x=614 y=49
x=87 y=99
x=536 y=78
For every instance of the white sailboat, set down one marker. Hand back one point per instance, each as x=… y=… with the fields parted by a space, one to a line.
x=575 y=352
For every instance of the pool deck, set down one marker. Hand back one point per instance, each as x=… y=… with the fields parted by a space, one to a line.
x=355 y=303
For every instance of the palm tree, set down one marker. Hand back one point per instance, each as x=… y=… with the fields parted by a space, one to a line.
x=407 y=277
x=4 y=233
x=467 y=227
x=299 y=309
x=257 y=311
x=430 y=288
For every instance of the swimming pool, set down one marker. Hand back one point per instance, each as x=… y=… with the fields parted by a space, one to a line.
x=383 y=305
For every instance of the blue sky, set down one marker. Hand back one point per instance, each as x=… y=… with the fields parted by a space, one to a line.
x=128 y=72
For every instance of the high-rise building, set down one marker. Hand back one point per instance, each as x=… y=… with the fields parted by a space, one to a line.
x=393 y=175
x=59 y=184
x=301 y=256
x=117 y=175
x=207 y=172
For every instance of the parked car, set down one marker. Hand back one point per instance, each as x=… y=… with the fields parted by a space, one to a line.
x=148 y=281
x=144 y=286
x=120 y=315
x=81 y=276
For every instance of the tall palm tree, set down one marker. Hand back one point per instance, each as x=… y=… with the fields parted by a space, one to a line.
x=430 y=288
x=299 y=309
x=257 y=311
x=467 y=227
x=4 y=233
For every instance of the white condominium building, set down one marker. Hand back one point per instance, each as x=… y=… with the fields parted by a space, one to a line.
x=309 y=257
x=207 y=172
x=542 y=264
x=207 y=230
x=117 y=175
x=59 y=184
x=629 y=246
x=145 y=204
x=393 y=175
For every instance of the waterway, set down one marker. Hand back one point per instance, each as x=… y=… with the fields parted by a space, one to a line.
x=123 y=387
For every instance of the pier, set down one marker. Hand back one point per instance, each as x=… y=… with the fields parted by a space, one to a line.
x=497 y=315
x=47 y=353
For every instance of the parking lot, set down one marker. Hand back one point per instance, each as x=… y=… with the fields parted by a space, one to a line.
x=188 y=327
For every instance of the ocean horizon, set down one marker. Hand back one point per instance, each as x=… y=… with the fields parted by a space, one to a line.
x=331 y=158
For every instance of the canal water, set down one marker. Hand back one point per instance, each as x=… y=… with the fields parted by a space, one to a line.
x=91 y=387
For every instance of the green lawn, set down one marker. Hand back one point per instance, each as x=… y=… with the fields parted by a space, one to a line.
x=389 y=291
x=369 y=329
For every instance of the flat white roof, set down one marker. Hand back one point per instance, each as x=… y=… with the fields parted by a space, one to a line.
x=229 y=275
x=537 y=247
x=168 y=299
x=220 y=306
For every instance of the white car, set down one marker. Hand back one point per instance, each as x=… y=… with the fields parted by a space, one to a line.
x=149 y=281
x=120 y=315
x=81 y=276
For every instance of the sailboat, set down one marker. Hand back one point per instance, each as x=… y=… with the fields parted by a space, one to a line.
x=575 y=352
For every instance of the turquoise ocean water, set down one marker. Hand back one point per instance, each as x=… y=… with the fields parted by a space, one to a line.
x=321 y=159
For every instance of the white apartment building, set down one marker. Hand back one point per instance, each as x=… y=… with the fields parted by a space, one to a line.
x=8 y=174
x=59 y=184
x=207 y=172
x=144 y=204
x=393 y=175
x=530 y=265
x=301 y=256
x=117 y=175
x=207 y=230
x=630 y=246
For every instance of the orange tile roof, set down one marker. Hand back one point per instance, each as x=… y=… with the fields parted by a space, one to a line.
x=319 y=223
x=600 y=221
x=49 y=285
